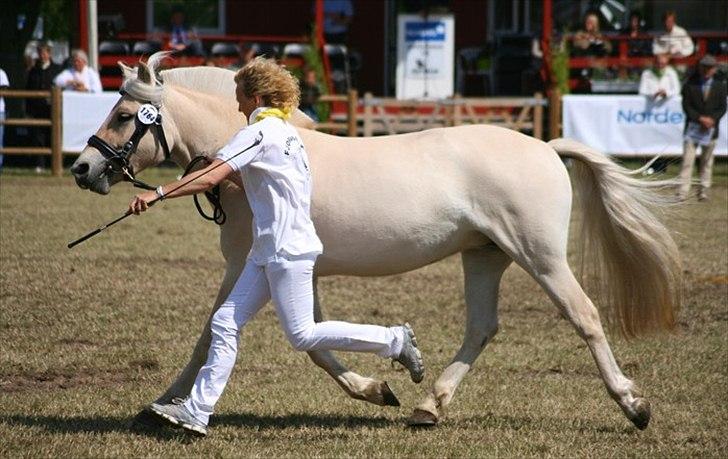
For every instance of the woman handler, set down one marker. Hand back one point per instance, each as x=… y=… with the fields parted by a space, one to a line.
x=277 y=182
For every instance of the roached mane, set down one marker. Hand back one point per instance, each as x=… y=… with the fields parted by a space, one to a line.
x=209 y=80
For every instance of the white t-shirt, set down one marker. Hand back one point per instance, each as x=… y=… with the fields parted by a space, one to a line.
x=676 y=42
x=87 y=76
x=3 y=83
x=277 y=183
x=650 y=83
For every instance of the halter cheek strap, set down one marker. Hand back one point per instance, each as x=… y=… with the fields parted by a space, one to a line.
x=119 y=159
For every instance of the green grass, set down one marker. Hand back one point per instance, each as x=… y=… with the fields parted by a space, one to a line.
x=90 y=335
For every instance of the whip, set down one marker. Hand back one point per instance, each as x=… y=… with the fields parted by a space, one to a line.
x=256 y=142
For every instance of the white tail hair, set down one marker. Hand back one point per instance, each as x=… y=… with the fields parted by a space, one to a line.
x=636 y=264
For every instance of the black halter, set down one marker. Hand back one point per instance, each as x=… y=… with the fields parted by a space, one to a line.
x=118 y=162
x=118 y=159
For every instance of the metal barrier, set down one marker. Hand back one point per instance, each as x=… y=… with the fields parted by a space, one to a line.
x=55 y=124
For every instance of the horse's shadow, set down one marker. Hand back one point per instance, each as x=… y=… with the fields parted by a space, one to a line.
x=298 y=420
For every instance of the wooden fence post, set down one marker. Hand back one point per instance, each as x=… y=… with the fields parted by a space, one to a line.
x=555 y=114
x=351 y=115
x=538 y=116
x=368 y=128
x=56 y=132
x=457 y=106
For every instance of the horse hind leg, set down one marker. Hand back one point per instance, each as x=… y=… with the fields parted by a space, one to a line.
x=356 y=386
x=483 y=270
x=564 y=290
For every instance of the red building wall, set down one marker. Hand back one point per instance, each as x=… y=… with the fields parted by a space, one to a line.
x=294 y=18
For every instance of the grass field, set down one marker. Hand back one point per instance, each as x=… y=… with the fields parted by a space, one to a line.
x=89 y=336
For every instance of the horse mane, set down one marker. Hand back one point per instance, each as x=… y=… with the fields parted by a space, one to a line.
x=210 y=80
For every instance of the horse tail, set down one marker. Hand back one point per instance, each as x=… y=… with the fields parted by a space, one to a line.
x=636 y=264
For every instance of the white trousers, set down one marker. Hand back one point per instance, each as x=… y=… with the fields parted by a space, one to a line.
x=289 y=283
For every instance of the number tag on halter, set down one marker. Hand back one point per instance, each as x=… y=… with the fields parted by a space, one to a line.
x=147 y=114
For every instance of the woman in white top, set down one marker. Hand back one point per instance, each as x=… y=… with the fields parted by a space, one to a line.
x=79 y=77
x=277 y=181
x=660 y=80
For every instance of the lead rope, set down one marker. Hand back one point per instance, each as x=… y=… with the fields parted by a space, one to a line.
x=213 y=196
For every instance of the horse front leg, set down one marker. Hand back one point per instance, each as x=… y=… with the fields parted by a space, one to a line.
x=355 y=385
x=483 y=271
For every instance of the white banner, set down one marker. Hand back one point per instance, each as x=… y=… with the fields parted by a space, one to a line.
x=425 y=56
x=630 y=125
x=83 y=114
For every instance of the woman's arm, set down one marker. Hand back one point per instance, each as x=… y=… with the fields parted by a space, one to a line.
x=197 y=182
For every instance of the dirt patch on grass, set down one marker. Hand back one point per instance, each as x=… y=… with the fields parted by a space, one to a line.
x=67 y=378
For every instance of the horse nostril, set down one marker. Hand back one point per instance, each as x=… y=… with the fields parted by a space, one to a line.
x=80 y=169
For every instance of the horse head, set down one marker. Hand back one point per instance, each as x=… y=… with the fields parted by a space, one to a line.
x=126 y=132
x=205 y=117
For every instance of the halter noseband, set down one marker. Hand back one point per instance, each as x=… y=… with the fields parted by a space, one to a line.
x=118 y=160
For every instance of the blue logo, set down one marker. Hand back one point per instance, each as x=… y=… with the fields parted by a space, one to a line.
x=424 y=31
x=645 y=117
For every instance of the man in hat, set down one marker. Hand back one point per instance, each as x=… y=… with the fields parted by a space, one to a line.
x=704 y=103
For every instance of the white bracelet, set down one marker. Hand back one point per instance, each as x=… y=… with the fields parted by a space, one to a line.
x=160 y=192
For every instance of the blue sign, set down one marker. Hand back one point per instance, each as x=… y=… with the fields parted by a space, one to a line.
x=658 y=117
x=425 y=31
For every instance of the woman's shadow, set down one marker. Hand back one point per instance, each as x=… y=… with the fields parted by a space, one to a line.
x=148 y=425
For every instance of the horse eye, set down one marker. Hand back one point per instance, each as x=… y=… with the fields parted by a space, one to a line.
x=123 y=117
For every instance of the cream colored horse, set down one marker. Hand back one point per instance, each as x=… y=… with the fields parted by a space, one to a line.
x=387 y=205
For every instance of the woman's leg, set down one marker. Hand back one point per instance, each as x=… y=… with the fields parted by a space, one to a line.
x=291 y=289
x=249 y=294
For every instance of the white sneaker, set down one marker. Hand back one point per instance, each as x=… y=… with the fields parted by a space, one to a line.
x=410 y=356
x=178 y=415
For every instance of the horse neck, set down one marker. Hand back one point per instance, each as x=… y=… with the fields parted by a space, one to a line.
x=203 y=123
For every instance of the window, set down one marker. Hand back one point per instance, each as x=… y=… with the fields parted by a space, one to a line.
x=201 y=16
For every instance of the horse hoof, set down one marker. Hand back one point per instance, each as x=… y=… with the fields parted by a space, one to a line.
x=422 y=418
x=388 y=396
x=144 y=420
x=642 y=413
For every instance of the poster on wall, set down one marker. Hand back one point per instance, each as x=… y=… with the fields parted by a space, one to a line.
x=425 y=56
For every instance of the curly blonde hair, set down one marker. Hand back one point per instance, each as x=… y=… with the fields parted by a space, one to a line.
x=265 y=78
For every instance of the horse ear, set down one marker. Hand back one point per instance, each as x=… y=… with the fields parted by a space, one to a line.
x=144 y=74
x=127 y=71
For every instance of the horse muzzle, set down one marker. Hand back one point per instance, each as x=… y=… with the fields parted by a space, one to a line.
x=91 y=172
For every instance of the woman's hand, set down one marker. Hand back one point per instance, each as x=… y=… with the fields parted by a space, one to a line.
x=140 y=202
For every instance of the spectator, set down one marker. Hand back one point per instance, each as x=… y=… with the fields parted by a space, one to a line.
x=590 y=41
x=676 y=42
x=337 y=17
x=637 y=45
x=310 y=93
x=4 y=84
x=40 y=78
x=79 y=77
x=704 y=103
x=246 y=53
x=181 y=38
x=660 y=81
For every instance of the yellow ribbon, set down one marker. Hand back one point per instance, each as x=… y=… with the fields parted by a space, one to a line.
x=283 y=114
